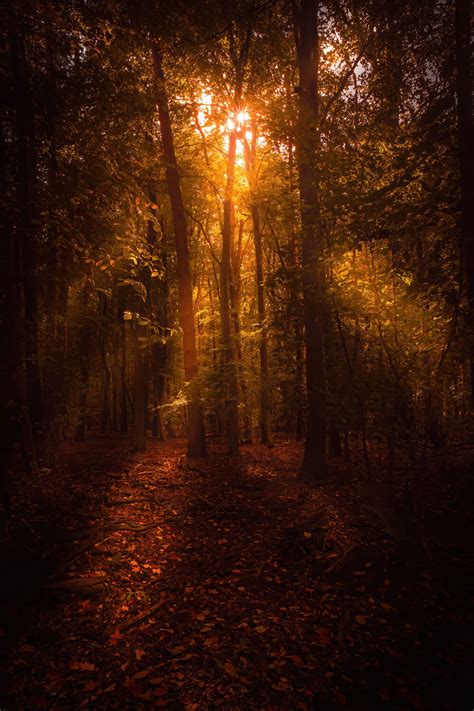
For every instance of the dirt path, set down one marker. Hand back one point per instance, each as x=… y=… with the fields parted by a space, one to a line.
x=224 y=584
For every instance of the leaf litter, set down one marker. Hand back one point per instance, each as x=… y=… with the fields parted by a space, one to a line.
x=223 y=587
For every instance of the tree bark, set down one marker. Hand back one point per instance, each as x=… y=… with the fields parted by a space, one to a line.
x=139 y=388
x=265 y=419
x=197 y=441
x=235 y=301
x=306 y=25
x=230 y=370
x=123 y=379
x=466 y=158
x=25 y=231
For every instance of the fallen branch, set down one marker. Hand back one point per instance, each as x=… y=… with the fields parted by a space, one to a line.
x=126 y=624
x=124 y=502
x=132 y=527
x=84 y=586
x=93 y=541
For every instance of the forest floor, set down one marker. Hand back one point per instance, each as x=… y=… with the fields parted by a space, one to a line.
x=138 y=581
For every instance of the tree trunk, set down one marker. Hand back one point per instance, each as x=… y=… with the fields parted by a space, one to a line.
x=139 y=388
x=265 y=419
x=197 y=441
x=294 y=301
x=123 y=380
x=306 y=18
x=466 y=158
x=14 y=414
x=25 y=232
x=157 y=301
x=230 y=372
x=84 y=353
x=235 y=295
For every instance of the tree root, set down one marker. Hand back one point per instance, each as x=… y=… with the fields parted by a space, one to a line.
x=80 y=586
x=126 y=624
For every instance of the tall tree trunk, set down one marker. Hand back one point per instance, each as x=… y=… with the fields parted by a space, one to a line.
x=239 y=57
x=230 y=370
x=14 y=414
x=139 y=388
x=250 y=161
x=235 y=300
x=105 y=424
x=197 y=440
x=294 y=301
x=25 y=233
x=157 y=290
x=466 y=157
x=123 y=379
x=306 y=25
x=84 y=353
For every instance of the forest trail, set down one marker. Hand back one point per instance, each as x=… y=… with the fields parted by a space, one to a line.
x=224 y=583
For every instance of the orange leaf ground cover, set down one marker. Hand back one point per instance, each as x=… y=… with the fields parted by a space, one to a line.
x=213 y=595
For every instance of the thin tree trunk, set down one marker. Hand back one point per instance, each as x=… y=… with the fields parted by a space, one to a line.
x=230 y=370
x=239 y=57
x=306 y=19
x=294 y=300
x=84 y=353
x=265 y=419
x=197 y=440
x=139 y=388
x=235 y=294
x=160 y=349
x=123 y=380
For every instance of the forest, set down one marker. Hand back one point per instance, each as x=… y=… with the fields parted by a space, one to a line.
x=237 y=363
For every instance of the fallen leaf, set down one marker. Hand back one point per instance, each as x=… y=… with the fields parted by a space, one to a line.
x=139 y=653
x=306 y=534
x=260 y=629
x=211 y=641
x=324 y=635
x=25 y=648
x=177 y=650
x=108 y=689
x=297 y=660
x=156 y=680
x=115 y=637
x=90 y=685
x=81 y=666
x=230 y=669
x=361 y=619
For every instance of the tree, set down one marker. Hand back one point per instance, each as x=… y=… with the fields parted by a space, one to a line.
x=251 y=169
x=466 y=157
x=307 y=50
x=197 y=440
